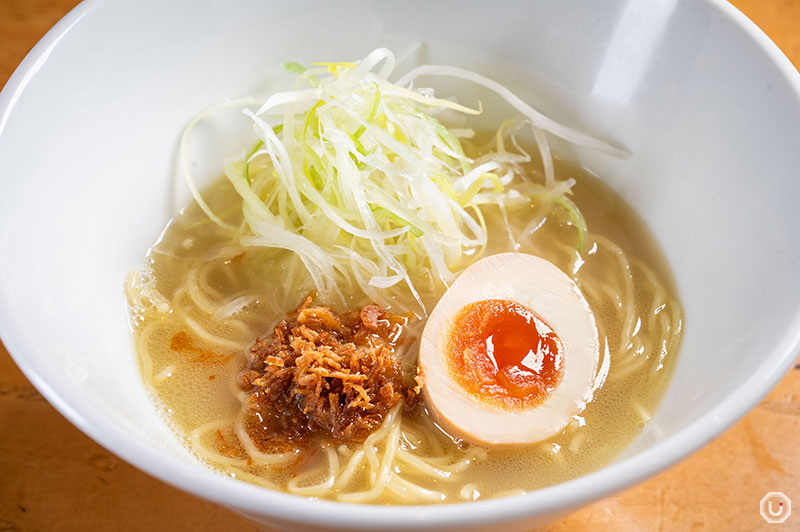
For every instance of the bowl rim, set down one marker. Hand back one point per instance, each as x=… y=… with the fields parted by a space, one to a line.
x=257 y=501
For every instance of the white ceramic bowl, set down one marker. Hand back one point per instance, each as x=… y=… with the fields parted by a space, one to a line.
x=705 y=102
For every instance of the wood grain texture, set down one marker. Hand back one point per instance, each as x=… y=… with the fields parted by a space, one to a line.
x=52 y=477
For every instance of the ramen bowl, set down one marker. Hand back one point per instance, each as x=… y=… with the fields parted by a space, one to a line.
x=708 y=107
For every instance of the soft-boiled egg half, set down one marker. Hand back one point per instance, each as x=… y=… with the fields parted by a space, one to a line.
x=510 y=352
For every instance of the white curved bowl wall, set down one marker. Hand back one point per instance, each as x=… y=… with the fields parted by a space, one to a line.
x=707 y=106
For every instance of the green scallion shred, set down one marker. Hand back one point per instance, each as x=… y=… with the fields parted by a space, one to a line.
x=250 y=153
x=294 y=68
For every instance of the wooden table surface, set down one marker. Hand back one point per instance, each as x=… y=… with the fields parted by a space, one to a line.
x=52 y=477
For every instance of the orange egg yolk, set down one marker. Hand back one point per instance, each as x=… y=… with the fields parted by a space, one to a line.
x=503 y=354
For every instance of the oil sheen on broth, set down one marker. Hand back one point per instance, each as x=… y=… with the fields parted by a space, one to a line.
x=620 y=270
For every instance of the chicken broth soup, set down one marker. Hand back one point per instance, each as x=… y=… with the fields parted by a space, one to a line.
x=302 y=323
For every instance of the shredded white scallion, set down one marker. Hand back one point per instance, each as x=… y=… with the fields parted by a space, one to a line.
x=356 y=177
